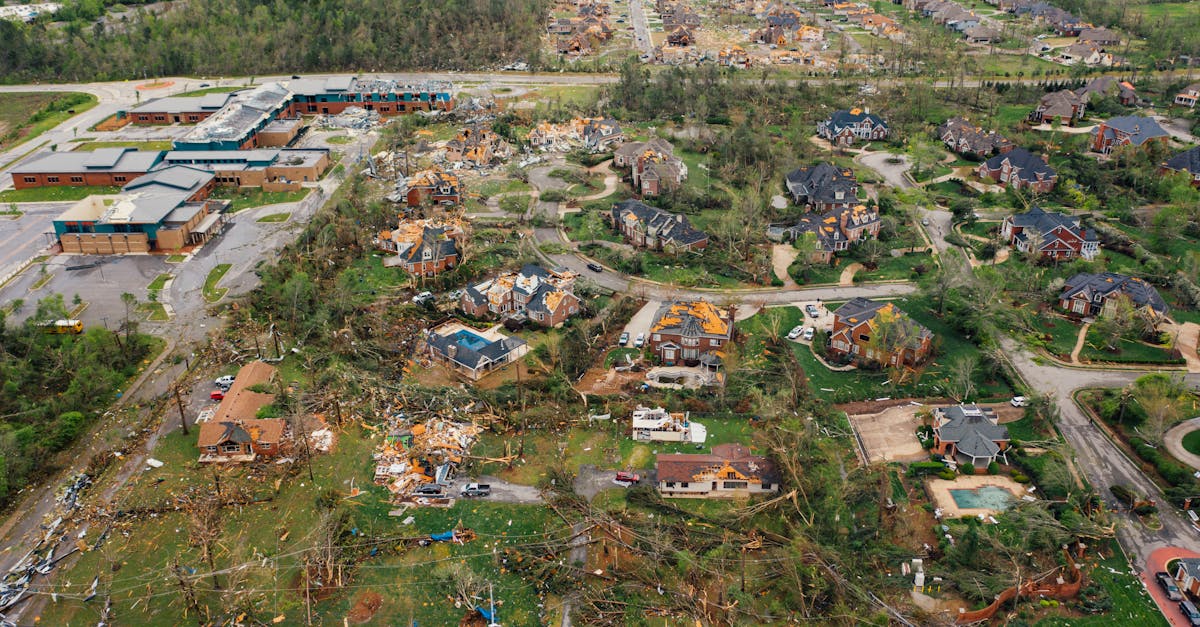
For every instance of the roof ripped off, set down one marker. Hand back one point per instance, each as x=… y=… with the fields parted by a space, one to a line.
x=241 y=117
x=353 y=84
x=691 y=318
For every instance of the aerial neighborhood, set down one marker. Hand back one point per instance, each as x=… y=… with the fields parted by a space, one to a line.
x=605 y=312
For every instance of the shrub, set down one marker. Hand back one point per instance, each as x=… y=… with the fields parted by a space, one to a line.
x=947 y=474
x=920 y=469
x=1145 y=509
x=993 y=468
x=967 y=469
x=1019 y=478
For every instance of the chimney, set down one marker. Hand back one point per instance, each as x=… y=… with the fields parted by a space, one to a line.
x=679 y=218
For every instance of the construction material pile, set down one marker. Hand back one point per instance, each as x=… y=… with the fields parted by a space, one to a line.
x=355 y=118
x=416 y=461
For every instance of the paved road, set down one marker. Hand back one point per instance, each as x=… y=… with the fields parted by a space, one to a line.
x=24 y=237
x=641 y=32
x=1098 y=458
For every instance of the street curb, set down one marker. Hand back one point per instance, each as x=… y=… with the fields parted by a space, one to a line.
x=1111 y=368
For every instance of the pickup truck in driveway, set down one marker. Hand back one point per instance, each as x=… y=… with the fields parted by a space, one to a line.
x=475 y=489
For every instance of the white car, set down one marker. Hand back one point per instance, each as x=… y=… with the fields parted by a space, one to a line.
x=224 y=382
x=808 y=333
x=1019 y=401
x=795 y=332
x=639 y=340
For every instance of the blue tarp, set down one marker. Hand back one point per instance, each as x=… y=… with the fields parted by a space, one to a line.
x=487 y=615
x=442 y=537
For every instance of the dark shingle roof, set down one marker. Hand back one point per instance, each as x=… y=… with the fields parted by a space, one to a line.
x=973 y=429
x=1028 y=164
x=1138 y=128
x=1186 y=161
x=669 y=226
x=1105 y=284
x=683 y=467
x=822 y=182
x=858 y=310
x=847 y=117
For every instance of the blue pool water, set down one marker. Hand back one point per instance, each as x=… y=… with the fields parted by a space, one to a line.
x=985 y=497
x=466 y=339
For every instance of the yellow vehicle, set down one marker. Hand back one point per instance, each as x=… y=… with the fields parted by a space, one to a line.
x=73 y=327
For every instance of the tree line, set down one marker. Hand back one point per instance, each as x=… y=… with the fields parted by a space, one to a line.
x=278 y=36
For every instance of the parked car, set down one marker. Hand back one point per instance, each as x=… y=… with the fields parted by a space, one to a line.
x=224 y=382
x=1167 y=583
x=795 y=332
x=1019 y=401
x=204 y=85
x=429 y=489
x=925 y=221
x=812 y=311
x=640 y=340
x=808 y=333
x=624 y=339
x=475 y=489
x=1190 y=612
x=626 y=478
x=422 y=298
x=595 y=267
x=217 y=395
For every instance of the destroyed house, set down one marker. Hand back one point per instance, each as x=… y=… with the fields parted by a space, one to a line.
x=545 y=296
x=649 y=227
x=832 y=232
x=432 y=186
x=422 y=247
x=730 y=471
x=686 y=331
x=659 y=425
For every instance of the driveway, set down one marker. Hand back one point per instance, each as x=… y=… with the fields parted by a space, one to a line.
x=640 y=322
x=890 y=435
x=1156 y=563
x=893 y=173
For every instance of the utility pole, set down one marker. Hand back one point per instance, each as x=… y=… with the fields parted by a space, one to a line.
x=182 y=416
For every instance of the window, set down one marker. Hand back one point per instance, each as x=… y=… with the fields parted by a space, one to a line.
x=864 y=337
x=734 y=485
x=683 y=484
x=714 y=343
x=51 y=179
x=31 y=179
x=657 y=337
x=119 y=179
x=76 y=179
x=230 y=447
x=670 y=484
x=264 y=445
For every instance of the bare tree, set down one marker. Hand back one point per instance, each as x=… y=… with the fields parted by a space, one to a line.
x=961 y=374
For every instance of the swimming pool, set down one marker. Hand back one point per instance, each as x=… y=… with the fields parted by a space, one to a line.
x=983 y=497
x=466 y=339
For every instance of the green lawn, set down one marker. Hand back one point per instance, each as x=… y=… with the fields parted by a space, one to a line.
x=176 y=258
x=1131 y=604
x=1063 y=335
x=158 y=282
x=1129 y=352
x=987 y=230
x=587 y=225
x=338 y=140
x=891 y=268
x=24 y=116
x=212 y=293
x=1191 y=442
x=492 y=187
x=367 y=276
x=88 y=146
x=55 y=194
x=247 y=198
x=1171 y=10
x=155 y=312
x=275 y=217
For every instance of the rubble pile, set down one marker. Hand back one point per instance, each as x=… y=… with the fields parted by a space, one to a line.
x=355 y=118
x=419 y=455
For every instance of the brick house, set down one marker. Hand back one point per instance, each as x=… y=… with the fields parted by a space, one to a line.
x=106 y=167
x=627 y=154
x=684 y=331
x=233 y=433
x=599 y=134
x=1187 y=161
x=1087 y=294
x=432 y=186
x=422 y=247
x=964 y=138
x=969 y=434
x=1187 y=573
x=544 y=296
x=854 y=327
x=730 y=471
x=650 y=227
x=1126 y=130
x=1051 y=235
x=1064 y=105
x=846 y=126
x=835 y=231
x=1103 y=86
x=656 y=172
x=1020 y=169
x=823 y=187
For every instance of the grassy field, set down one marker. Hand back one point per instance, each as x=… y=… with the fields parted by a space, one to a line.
x=248 y=198
x=275 y=217
x=587 y=225
x=149 y=145
x=24 y=116
x=212 y=293
x=1168 y=10
x=154 y=312
x=1131 y=604
x=1129 y=352
x=1191 y=442
x=158 y=282
x=54 y=194
x=1063 y=335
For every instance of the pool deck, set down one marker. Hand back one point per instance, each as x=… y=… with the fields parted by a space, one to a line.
x=940 y=489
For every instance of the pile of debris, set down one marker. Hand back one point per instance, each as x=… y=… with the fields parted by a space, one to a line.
x=416 y=461
x=355 y=118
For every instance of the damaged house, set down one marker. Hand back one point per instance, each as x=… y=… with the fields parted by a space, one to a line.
x=730 y=471
x=533 y=293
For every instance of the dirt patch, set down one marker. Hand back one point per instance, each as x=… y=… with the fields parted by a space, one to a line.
x=847 y=277
x=889 y=435
x=365 y=607
x=608 y=381
x=782 y=257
